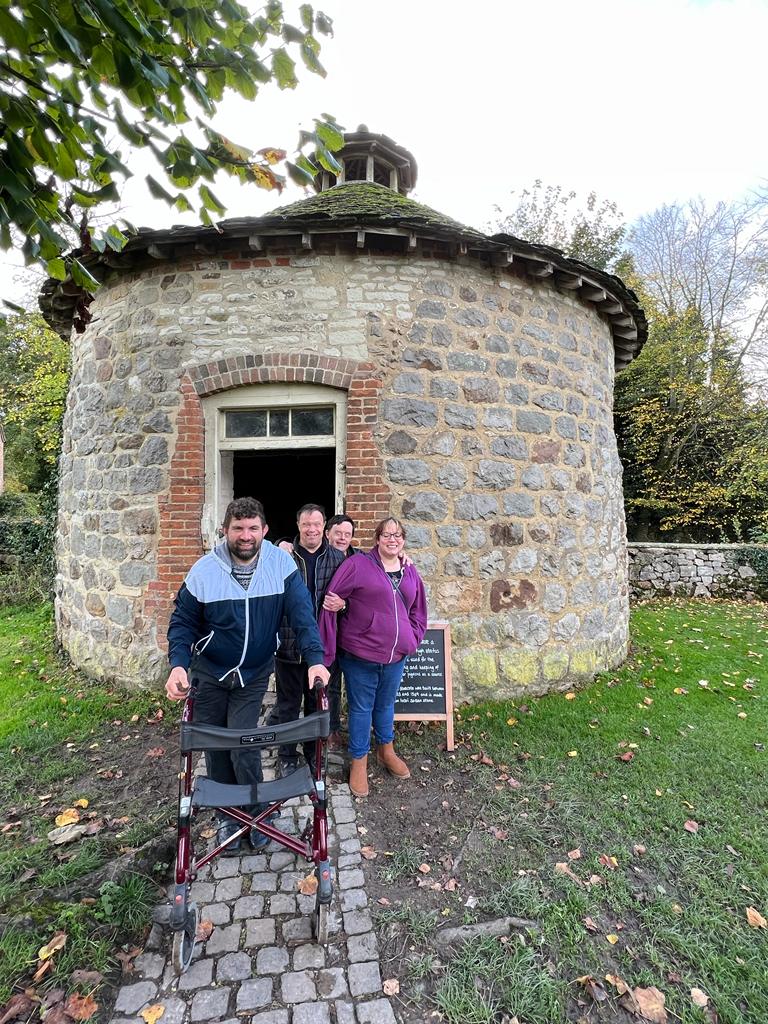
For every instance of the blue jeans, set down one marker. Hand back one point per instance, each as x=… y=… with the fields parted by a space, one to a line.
x=371 y=693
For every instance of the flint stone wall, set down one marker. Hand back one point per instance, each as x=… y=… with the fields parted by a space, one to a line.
x=698 y=570
x=494 y=435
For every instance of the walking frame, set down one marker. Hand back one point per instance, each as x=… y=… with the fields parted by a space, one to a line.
x=200 y=792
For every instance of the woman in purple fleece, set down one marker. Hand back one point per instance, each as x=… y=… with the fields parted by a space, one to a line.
x=383 y=621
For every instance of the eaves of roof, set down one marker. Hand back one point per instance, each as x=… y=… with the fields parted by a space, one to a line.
x=361 y=209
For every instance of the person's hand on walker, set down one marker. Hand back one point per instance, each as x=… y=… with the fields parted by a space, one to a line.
x=177 y=685
x=318 y=671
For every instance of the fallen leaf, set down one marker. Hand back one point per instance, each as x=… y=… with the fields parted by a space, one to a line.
x=384 y=902
x=502 y=834
x=126 y=958
x=42 y=970
x=618 y=983
x=512 y=721
x=391 y=987
x=451 y=885
x=424 y=869
x=691 y=826
x=155 y=752
x=51 y=997
x=755 y=919
x=208 y=833
x=81 y=1007
x=66 y=834
x=680 y=690
x=590 y=925
x=58 y=942
x=57 y=1015
x=741 y=714
x=574 y=854
x=638 y=849
x=152 y=1013
x=626 y=757
x=593 y=987
x=573 y=753
x=90 y=978
x=368 y=853
x=307 y=886
x=698 y=997
x=67 y=817
x=608 y=861
x=613 y=938
x=82 y=802
x=563 y=868
x=650 y=1004
x=19 y=1005
x=570 y=695
x=203 y=931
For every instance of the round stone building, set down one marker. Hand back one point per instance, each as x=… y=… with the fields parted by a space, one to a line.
x=359 y=350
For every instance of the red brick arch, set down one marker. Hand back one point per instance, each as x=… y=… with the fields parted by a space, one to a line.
x=367 y=495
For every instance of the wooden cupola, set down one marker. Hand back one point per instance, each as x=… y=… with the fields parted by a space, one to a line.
x=370 y=157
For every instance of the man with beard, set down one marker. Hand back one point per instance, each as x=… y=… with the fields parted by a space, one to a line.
x=223 y=634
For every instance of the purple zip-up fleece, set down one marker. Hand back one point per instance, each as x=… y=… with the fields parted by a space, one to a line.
x=379 y=625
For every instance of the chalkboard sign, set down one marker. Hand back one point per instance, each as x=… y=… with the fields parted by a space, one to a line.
x=425 y=693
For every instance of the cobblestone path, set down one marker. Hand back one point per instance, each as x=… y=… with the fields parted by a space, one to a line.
x=260 y=963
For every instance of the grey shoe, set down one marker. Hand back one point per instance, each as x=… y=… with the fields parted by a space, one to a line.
x=225 y=830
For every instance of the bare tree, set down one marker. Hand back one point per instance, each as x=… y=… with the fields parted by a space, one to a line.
x=589 y=229
x=713 y=259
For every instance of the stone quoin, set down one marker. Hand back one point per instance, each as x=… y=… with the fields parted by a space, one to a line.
x=360 y=350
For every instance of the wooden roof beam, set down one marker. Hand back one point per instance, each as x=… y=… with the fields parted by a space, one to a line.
x=502 y=259
x=256 y=242
x=570 y=282
x=360 y=239
x=611 y=305
x=630 y=333
x=306 y=240
x=592 y=293
x=540 y=269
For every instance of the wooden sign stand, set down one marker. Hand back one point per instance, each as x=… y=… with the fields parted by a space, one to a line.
x=427 y=681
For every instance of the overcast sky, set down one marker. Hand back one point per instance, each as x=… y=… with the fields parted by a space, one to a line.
x=645 y=101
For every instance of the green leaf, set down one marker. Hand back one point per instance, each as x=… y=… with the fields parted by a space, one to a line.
x=284 y=69
x=82 y=277
x=329 y=134
x=157 y=191
x=307 y=16
x=209 y=200
x=57 y=268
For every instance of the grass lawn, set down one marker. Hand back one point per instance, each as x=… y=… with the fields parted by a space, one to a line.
x=65 y=739
x=628 y=821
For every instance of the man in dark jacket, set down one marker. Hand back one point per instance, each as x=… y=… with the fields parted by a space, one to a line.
x=223 y=632
x=316 y=561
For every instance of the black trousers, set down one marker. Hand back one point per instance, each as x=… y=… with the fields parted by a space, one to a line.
x=334 y=697
x=229 y=704
x=292 y=687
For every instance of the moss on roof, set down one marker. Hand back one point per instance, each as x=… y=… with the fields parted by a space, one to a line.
x=365 y=202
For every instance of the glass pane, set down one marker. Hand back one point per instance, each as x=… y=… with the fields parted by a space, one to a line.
x=278 y=423
x=250 y=423
x=312 y=421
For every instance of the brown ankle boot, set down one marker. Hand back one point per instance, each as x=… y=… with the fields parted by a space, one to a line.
x=385 y=754
x=358 y=776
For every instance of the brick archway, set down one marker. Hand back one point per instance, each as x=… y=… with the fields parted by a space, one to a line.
x=367 y=495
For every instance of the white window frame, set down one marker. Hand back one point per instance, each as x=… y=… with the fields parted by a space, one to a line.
x=219 y=449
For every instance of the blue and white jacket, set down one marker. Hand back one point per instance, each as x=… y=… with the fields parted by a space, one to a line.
x=235 y=630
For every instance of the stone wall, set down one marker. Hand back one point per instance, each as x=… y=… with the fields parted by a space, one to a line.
x=698 y=570
x=485 y=422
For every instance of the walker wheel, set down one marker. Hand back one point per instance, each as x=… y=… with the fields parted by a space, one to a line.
x=184 y=941
x=320 y=921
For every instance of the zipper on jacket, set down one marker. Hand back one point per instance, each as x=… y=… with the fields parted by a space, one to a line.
x=397 y=626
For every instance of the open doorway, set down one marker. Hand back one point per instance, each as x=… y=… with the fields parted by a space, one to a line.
x=283 y=480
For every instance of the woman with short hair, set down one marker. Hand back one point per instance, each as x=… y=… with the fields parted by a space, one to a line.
x=385 y=618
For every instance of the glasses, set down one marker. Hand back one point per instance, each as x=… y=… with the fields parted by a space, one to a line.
x=391 y=536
